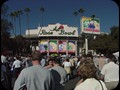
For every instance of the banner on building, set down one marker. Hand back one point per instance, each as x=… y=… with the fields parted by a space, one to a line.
x=43 y=45
x=71 y=47
x=61 y=46
x=90 y=25
x=53 y=46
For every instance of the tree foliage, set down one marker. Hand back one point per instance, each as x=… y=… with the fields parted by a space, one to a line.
x=115 y=34
x=106 y=43
x=6 y=26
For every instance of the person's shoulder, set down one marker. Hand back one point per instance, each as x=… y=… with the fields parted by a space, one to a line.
x=61 y=68
x=82 y=86
x=106 y=66
x=24 y=71
x=110 y=64
x=27 y=69
x=116 y=65
x=45 y=70
x=53 y=68
x=48 y=71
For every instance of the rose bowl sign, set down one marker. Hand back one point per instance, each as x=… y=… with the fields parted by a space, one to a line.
x=58 y=30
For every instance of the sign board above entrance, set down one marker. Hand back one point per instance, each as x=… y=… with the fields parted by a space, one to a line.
x=58 y=30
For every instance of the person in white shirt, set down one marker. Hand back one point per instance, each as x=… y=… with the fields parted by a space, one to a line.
x=3 y=63
x=3 y=59
x=67 y=67
x=17 y=65
x=110 y=73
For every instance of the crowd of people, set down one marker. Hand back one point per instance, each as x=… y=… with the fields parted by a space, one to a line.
x=38 y=72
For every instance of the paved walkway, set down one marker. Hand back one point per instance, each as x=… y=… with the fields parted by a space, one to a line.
x=70 y=85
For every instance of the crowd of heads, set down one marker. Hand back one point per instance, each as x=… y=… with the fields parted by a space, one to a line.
x=86 y=68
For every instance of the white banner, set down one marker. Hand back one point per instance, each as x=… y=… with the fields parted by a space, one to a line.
x=58 y=30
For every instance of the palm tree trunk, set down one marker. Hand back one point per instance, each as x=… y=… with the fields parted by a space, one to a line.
x=42 y=11
x=20 y=24
x=41 y=25
x=41 y=19
x=28 y=25
x=15 y=26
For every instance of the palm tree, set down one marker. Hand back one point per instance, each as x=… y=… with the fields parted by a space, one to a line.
x=42 y=11
x=75 y=14
x=27 y=10
x=81 y=11
x=15 y=15
x=19 y=12
x=12 y=17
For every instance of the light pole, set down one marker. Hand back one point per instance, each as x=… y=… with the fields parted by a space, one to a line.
x=92 y=27
x=31 y=46
x=86 y=45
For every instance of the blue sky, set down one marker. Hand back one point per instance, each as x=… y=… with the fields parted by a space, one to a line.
x=61 y=11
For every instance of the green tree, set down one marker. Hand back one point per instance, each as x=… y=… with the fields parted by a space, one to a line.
x=107 y=43
x=115 y=37
x=100 y=44
x=4 y=11
x=6 y=27
x=20 y=43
